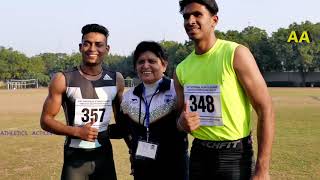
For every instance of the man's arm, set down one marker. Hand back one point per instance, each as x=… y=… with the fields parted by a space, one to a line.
x=120 y=89
x=187 y=121
x=51 y=108
x=179 y=92
x=255 y=87
x=115 y=131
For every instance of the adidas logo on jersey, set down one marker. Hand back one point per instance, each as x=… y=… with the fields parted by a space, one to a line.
x=107 y=77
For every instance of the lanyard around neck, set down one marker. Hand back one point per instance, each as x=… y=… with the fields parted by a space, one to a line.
x=147 y=106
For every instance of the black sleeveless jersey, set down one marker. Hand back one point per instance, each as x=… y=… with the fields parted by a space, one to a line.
x=86 y=100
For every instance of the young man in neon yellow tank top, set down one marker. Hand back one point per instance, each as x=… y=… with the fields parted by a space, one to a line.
x=216 y=86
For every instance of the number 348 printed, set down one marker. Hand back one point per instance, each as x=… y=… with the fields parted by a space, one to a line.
x=205 y=103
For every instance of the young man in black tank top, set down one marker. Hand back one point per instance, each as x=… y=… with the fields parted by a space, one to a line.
x=88 y=94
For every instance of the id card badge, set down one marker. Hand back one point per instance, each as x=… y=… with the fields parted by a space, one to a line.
x=146 y=150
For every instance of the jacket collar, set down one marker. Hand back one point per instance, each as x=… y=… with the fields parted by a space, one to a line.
x=164 y=85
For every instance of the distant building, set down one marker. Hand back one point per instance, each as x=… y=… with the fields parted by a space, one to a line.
x=292 y=79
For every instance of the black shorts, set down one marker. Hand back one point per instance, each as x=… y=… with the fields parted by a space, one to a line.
x=227 y=160
x=82 y=164
x=171 y=163
x=171 y=167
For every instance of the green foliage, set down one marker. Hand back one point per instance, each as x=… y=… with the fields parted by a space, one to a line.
x=302 y=57
x=176 y=52
x=121 y=64
x=258 y=42
x=271 y=53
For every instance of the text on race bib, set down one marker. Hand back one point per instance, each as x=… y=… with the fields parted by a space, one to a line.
x=204 y=103
x=205 y=99
x=92 y=114
x=93 y=110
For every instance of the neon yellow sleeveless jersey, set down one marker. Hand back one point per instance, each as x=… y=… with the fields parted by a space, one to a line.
x=215 y=67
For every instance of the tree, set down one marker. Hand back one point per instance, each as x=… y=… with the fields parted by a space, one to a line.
x=271 y=53
x=258 y=42
x=302 y=57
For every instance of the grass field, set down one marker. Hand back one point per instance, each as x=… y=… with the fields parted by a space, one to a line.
x=32 y=154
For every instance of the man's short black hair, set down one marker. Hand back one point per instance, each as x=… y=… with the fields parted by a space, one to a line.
x=94 y=28
x=151 y=46
x=211 y=5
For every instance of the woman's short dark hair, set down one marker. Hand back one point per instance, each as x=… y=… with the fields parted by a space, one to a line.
x=151 y=46
x=211 y=5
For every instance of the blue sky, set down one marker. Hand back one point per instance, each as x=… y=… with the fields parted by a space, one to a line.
x=35 y=26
